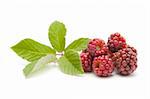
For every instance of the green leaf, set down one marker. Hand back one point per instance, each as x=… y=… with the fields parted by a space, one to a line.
x=78 y=44
x=28 y=69
x=57 y=33
x=70 y=63
x=31 y=50
x=38 y=64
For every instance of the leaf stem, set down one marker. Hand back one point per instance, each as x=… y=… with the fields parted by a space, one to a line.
x=60 y=54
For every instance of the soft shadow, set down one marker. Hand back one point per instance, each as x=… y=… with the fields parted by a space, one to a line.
x=131 y=75
x=101 y=77
x=105 y=77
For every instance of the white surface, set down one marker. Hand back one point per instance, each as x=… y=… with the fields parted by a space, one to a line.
x=20 y=19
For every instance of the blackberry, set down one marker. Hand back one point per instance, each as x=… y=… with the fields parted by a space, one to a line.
x=125 y=60
x=116 y=42
x=97 y=47
x=86 y=60
x=103 y=66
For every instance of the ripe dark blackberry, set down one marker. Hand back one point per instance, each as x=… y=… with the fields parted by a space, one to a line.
x=103 y=66
x=97 y=47
x=86 y=60
x=125 y=60
x=116 y=42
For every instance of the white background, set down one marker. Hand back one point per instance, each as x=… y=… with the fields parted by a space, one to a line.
x=21 y=19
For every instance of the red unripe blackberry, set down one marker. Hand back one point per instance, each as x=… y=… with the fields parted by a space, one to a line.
x=125 y=60
x=97 y=47
x=116 y=42
x=86 y=60
x=103 y=66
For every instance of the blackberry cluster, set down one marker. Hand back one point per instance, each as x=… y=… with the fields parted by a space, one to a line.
x=116 y=42
x=97 y=47
x=103 y=66
x=99 y=62
x=102 y=58
x=125 y=60
x=86 y=60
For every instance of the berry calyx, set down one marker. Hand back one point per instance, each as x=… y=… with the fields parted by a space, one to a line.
x=97 y=47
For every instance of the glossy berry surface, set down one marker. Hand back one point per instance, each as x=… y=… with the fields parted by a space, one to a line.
x=97 y=47
x=116 y=42
x=125 y=60
x=86 y=60
x=103 y=66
